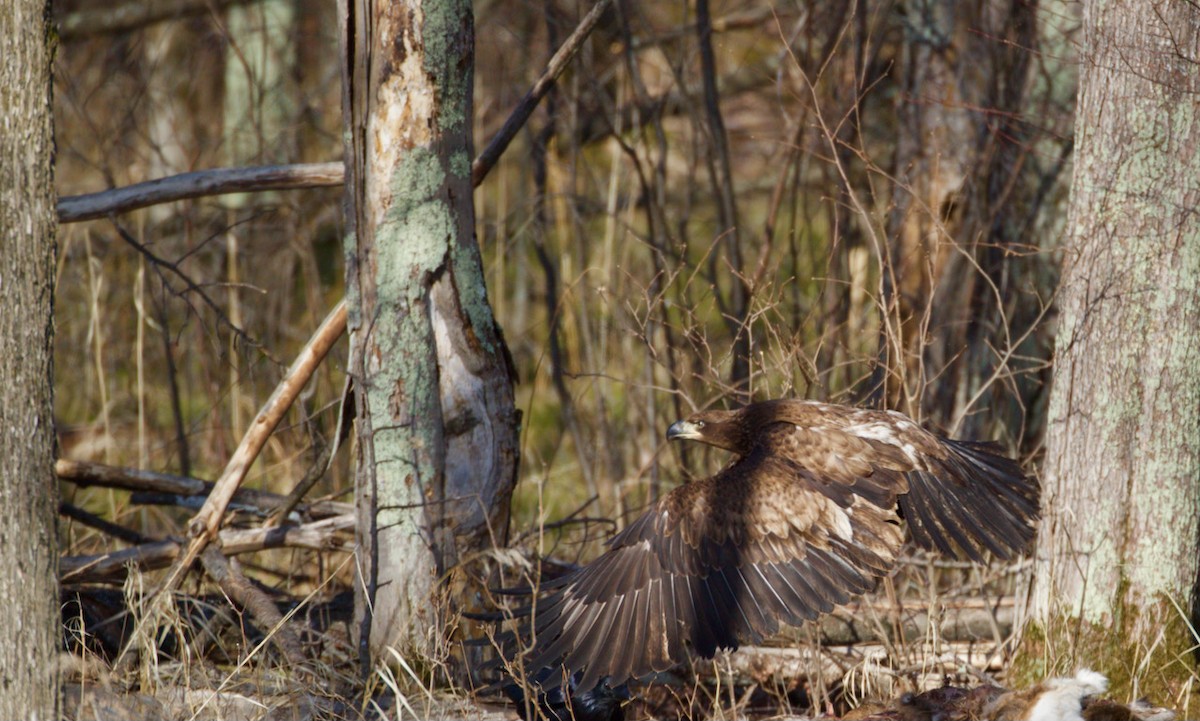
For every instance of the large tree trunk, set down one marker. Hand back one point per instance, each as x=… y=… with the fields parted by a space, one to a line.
x=437 y=428
x=28 y=489
x=1117 y=552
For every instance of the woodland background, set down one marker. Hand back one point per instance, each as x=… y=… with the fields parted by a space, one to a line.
x=898 y=175
x=861 y=202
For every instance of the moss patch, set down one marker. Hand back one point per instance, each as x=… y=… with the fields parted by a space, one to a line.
x=1158 y=665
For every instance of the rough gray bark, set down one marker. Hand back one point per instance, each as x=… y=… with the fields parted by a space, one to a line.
x=1118 y=544
x=28 y=489
x=437 y=428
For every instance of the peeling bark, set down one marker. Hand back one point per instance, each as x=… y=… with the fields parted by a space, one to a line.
x=437 y=426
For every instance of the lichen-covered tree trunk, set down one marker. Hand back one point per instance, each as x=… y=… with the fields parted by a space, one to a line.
x=28 y=487
x=437 y=429
x=1117 y=552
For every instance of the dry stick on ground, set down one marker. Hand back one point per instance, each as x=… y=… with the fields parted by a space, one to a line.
x=260 y=607
x=203 y=526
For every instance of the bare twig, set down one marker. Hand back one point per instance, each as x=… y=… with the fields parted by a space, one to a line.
x=323 y=462
x=159 y=264
x=487 y=159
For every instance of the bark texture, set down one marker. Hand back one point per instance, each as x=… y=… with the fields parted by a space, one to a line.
x=28 y=489
x=1116 y=561
x=437 y=428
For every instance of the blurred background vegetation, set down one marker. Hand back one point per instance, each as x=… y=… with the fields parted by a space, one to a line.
x=855 y=201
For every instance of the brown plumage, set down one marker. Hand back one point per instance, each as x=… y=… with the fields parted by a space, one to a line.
x=804 y=518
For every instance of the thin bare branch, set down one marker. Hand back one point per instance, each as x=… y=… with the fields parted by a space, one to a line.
x=487 y=159
x=218 y=181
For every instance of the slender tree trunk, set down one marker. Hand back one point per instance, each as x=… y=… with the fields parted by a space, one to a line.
x=28 y=489
x=437 y=428
x=1116 y=562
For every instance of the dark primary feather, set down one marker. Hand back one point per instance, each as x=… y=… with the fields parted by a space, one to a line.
x=806 y=517
x=601 y=702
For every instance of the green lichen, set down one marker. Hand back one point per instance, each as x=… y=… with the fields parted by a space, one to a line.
x=448 y=57
x=412 y=244
x=460 y=165
x=472 y=292
x=414 y=237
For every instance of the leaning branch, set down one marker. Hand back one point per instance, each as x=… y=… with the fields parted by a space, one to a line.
x=203 y=526
x=251 y=598
x=218 y=181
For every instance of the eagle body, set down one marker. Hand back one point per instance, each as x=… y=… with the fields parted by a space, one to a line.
x=804 y=517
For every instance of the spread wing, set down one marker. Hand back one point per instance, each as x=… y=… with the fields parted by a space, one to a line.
x=957 y=497
x=803 y=522
x=719 y=562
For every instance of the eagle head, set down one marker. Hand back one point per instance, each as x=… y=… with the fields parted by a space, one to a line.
x=723 y=429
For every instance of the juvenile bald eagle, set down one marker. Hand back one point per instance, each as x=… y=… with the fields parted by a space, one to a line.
x=805 y=517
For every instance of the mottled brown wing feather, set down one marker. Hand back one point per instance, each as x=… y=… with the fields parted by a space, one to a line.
x=716 y=563
x=958 y=497
x=970 y=501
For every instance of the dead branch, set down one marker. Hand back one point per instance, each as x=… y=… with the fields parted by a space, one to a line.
x=179 y=489
x=111 y=567
x=260 y=607
x=487 y=159
x=761 y=664
x=133 y=15
x=85 y=474
x=960 y=620
x=218 y=181
x=108 y=528
x=203 y=527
